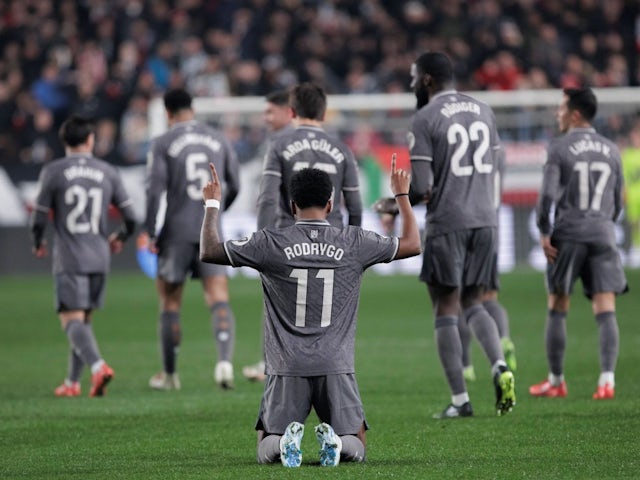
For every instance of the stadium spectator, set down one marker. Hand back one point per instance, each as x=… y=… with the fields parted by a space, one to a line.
x=309 y=342
x=455 y=150
x=40 y=143
x=79 y=188
x=178 y=165
x=264 y=45
x=583 y=180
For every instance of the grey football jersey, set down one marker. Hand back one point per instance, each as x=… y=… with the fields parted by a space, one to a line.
x=583 y=177
x=311 y=273
x=79 y=188
x=179 y=164
x=310 y=146
x=458 y=135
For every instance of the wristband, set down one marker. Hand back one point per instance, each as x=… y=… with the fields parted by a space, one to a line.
x=212 y=203
x=401 y=195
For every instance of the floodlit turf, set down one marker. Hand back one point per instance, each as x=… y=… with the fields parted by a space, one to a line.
x=203 y=432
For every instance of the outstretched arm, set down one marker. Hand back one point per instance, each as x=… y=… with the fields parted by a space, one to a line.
x=409 y=243
x=211 y=248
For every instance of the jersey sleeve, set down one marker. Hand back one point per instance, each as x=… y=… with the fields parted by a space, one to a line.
x=44 y=197
x=421 y=153
x=156 y=184
x=247 y=252
x=269 y=193
x=351 y=190
x=44 y=201
x=121 y=198
x=376 y=248
x=550 y=185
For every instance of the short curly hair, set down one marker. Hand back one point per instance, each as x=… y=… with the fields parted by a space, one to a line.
x=311 y=187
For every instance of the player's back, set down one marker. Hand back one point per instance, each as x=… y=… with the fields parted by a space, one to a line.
x=311 y=275
x=461 y=137
x=180 y=162
x=590 y=185
x=309 y=146
x=80 y=189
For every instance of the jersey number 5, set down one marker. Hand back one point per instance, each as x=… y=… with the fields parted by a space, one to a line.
x=302 y=275
x=197 y=172
x=458 y=135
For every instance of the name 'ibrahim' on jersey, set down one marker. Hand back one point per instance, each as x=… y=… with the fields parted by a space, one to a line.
x=80 y=188
x=311 y=274
x=179 y=164
x=457 y=134
x=583 y=174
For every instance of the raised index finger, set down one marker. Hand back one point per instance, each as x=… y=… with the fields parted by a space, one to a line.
x=214 y=174
x=393 y=163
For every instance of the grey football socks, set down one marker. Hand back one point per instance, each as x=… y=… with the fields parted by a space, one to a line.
x=224 y=329
x=76 y=365
x=450 y=352
x=499 y=315
x=556 y=340
x=82 y=341
x=269 y=449
x=485 y=330
x=352 y=449
x=609 y=340
x=465 y=340
x=170 y=336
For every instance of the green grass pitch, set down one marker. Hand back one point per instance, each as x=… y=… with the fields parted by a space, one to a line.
x=203 y=432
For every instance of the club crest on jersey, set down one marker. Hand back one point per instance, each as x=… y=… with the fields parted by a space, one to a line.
x=313 y=234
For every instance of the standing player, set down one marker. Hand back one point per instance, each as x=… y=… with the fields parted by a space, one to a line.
x=178 y=164
x=490 y=299
x=308 y=145
x=454 y=149
x=79 y=189
x=311 y=274
x=278 y=116
x=583 y=178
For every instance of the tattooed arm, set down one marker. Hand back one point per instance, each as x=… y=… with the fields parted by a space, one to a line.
x=211 y=248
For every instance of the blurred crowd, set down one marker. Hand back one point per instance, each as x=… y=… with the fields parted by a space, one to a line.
x=109 y=58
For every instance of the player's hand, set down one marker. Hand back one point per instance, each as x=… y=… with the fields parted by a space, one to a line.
x=115 y=244
x=400 y=179
x=153 y=245
x=42 y=251
x=144 y=241
x=550 y=251
x=213 y=189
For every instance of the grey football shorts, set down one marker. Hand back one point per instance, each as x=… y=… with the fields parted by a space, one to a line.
x=598 y=265
x=460 y=259
x=79 y=291
x=177 y=260
x=335 y=398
